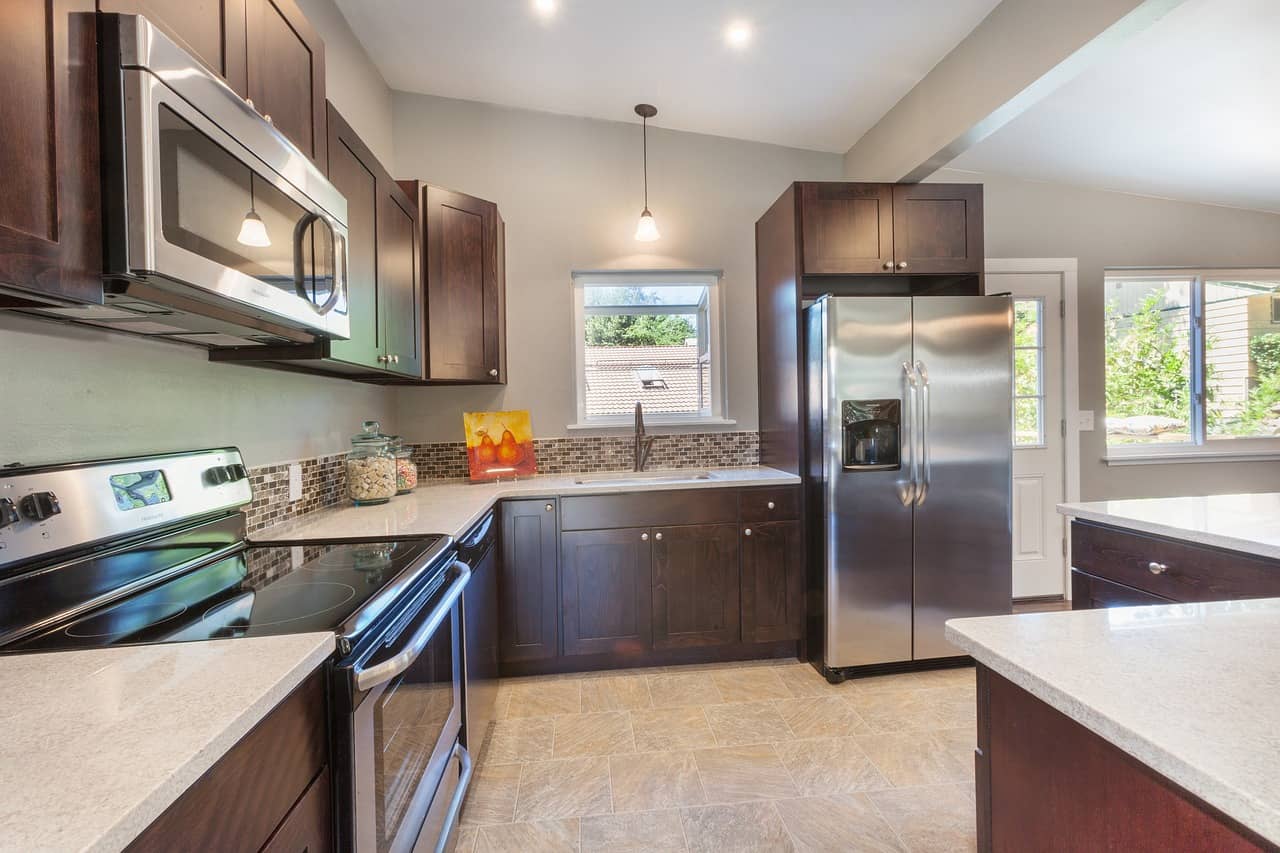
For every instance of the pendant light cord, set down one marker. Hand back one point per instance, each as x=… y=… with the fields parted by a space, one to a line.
x=644 y=146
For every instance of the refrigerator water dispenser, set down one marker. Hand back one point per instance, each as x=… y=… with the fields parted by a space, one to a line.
x=872 y=430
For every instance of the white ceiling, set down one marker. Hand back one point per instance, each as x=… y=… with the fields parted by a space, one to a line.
x=817 y=74
x=1190 y=109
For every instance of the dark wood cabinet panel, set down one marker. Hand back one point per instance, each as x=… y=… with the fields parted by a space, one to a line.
x=1170 y=569
x=937 y=229
x=606 y=591
x=645 y=509
x=240 y=801
x=50 y=210
x=1093 y=593
x=847 y=228
x=1041 y=775
x=530 y=567
x=285 y=72
x=354 y=172
x=309 y=827
x=211 y=30
x=771 y=504
x=772 y=582
x=695 y=585
x=398 y=280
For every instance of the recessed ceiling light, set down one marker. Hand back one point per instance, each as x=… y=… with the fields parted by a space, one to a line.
x=738 y=34
x=545 y=8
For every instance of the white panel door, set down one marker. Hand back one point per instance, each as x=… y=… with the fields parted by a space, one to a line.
x=1039 y=557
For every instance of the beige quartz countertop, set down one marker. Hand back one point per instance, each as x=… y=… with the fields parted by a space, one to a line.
x=98 y=743
x=1247 y=523
x=452 y=507
x=1190 y=690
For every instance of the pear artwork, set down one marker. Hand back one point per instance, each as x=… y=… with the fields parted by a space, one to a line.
x=508 y=451
x=487 y=451
x=511 y=454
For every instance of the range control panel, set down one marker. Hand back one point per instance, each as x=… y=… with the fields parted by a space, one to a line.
x=46 y=510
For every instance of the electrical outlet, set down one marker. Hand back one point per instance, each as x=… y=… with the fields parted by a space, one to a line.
x=1085 y=423
x=295 y=482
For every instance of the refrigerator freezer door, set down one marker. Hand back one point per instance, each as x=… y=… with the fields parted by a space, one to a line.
x=867 y=512
x=963 y=523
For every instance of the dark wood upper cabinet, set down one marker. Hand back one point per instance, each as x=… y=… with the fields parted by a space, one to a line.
x=50 y=212
x=355 y=174
x=211 y=30
x=606 y=591
x=937 y=229
x=398 y=261
x=695 y=585
x=772 y=582
x=285 y=72
x=529 y=605
x=847 y=228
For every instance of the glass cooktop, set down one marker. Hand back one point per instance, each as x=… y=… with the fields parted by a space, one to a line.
x=259 y=591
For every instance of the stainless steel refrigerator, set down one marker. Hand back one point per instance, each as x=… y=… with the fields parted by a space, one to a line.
x=909 y=471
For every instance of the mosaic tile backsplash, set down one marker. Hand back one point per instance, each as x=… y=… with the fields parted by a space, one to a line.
x=324 y=477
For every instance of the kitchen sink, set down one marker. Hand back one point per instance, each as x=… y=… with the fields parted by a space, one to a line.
x=640 y=477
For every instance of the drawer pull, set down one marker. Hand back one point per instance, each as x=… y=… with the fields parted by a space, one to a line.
x=1157 y=568
x=644 y=537
x=549 y=507
x=772 y=505
x=747 y=532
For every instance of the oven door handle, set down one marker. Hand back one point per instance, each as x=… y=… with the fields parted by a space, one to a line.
x=459 y=794
x=390 y=668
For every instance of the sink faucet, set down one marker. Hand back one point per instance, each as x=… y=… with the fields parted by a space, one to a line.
x=644 y=443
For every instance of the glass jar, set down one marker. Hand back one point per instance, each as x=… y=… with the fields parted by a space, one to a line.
x=371 y=467
x=406 y=471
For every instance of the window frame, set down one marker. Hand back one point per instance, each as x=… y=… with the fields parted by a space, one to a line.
x=1201 y=448
x=1042 y=441
x=715 y=414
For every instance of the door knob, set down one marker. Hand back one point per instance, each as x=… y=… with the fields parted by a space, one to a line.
x=902 y=265
x=644 y=537
x=747 y=532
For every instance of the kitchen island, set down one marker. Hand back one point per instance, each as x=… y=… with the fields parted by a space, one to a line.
x=1142 y=728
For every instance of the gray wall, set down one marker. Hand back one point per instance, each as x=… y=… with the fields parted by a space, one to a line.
x=1027 y=219
x=570 y=192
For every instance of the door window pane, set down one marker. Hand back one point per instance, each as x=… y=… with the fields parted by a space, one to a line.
x=1148 y=361
x=1028 y=373
x=1242 y=359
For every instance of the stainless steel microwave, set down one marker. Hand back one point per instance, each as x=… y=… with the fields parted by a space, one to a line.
x=211 y=216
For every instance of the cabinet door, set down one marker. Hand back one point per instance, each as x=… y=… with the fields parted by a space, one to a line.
x=695 y=585
x=286 y=72
x=211 y=30
x=50 y=213
x=528 y=587
x=309 y=826
x=401 y=305
x=463 y=308
x=606 y=591
x=847 y=229
x=354 y=172
x=772 y=582
x=937 y=228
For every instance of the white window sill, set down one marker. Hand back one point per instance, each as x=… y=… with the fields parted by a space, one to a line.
x=628 y=423
x=1190 y=455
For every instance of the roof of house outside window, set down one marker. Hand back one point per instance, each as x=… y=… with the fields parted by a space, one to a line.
x=614 y=379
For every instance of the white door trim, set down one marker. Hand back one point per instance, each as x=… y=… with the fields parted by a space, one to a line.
x=1067 y=269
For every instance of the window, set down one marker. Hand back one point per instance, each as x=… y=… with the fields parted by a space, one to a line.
x=649 y=338
x=1028 y=373
x=1192 y=363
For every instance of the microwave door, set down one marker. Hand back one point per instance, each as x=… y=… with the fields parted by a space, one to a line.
x=209 y=217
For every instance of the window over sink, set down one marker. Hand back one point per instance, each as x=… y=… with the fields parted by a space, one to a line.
x=1192 y=364
x=652 y=338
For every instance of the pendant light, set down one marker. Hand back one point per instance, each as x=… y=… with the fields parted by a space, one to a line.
x=253 y=231
x=646 y=228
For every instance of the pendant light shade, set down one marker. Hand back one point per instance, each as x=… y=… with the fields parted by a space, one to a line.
x=647 y=227
x=253 y=231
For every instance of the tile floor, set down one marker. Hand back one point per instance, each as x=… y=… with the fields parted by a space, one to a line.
x=731 y=757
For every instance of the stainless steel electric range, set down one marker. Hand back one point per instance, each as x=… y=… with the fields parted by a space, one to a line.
x=153 y=550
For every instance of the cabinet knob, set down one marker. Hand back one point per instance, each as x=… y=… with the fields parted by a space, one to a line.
x=382 y=359
x=747 y=532
x=493 y=371
x=771 y=505
x=268 y=118
x=902 y=265
x=644 y=537
x=395 y=359
x=549 y=507
x=888 y=265
x=1157 y=568
x=658 y=536
x=249 y=101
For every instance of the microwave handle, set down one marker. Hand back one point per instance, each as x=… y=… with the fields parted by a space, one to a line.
x=299 y=285
x=366 y=679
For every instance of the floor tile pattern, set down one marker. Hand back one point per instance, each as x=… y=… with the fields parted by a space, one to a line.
x=763 y=756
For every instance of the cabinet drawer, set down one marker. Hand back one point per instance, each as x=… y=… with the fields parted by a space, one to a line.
x=771 y=504
x=649 y=509
x=1092 y=593
x=1181 y=572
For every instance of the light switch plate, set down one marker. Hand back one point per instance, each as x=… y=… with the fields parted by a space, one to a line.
x=295 y=482
x=1085 y=423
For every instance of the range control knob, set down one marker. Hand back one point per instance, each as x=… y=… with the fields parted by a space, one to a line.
x=217 y=475
x=237 y=472
x=8 y=512
x=38 y=506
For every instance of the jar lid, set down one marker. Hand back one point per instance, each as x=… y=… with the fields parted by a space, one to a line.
x=370 y=435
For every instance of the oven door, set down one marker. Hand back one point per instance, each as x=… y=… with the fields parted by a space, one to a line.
x=409 y=773
x=217 y=205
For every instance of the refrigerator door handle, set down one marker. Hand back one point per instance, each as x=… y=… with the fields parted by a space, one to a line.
x=922 y=492
x=911 y=493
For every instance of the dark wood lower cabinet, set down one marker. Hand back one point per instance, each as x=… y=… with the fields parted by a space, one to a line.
x=265 y=786
x=606 y=591
x=527 y=589
x=1093 y=593
x=1046 y=782
x=772 y=582
x=695 y=585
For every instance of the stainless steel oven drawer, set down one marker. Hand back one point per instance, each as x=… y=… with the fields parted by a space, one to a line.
x=440 y=829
